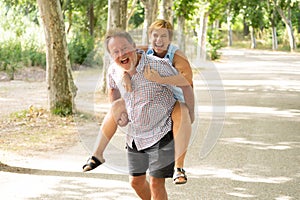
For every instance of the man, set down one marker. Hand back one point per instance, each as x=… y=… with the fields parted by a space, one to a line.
x=149 y=106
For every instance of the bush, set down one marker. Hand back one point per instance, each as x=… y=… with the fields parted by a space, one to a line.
x=80 y=49
x=34 y=56
x=215 y=44
x=14 y=54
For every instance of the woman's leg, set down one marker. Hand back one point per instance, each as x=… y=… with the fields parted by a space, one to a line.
x=107 y=130
x=182 y=129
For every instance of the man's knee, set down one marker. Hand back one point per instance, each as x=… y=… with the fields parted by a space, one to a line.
x=137 y=181
x=157 y=182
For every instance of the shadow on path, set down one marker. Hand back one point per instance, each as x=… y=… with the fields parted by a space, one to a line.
x=22 y=170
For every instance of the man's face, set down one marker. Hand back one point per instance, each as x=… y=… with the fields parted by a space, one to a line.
x=123 y=53
x=160 y=40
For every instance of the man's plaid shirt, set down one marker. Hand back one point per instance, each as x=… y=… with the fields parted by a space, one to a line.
x=149 y=105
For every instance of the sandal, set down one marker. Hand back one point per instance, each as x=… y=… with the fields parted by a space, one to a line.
x=179 y=176
x=91 y=164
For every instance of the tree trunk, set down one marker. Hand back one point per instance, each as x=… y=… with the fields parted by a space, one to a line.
x=274 y=38
x=91 y=17
x=229 y=36
x=166 y=10
x=201 y=50
x=246 y=27
x=180 y=33
x=274 y=31
x=60 y=85
x=253 y=39
x=113 y=14
x=289 y=27
x=151 y=10
x=123 y=14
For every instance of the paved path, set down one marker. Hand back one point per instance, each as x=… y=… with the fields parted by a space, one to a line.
x=256 y=157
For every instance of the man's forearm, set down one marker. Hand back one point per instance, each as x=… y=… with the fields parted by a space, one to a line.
x=113 y=94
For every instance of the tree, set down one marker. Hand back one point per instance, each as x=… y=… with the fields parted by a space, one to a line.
x=183 y=11
x=166 y=10
x=61 y=88
x=284 y=8
x=151 y=10
x=132 y=4
x=117 y=14
x=273 y=18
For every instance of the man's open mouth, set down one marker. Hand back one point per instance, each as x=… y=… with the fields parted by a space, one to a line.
x=125 y=60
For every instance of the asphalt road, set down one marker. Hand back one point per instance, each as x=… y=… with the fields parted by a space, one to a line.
x=249 y=101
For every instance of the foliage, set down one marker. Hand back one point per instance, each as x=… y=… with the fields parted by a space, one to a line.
x=138 y=16
x=15 y=54
x=19 y=45
x=62 y=109
x=80 y=46
x=20 y=31
x=215 y=43
x=185 y=8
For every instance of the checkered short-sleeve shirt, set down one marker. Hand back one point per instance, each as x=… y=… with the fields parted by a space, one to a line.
x=149 y=105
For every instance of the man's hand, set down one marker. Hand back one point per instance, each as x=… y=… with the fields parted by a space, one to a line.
x=119 y=112
x=123 y=120
x=152 y=75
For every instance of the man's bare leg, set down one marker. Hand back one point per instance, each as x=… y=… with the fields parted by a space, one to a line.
x=141 y=186
x=158 y=189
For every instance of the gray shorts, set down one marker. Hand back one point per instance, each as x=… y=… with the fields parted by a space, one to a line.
x=159 y=158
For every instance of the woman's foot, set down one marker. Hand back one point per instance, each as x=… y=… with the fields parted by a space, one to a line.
x=179 y=176
x=92 y=163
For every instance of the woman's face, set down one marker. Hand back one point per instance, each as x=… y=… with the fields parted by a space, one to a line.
x=160 y=40
x=123 y=53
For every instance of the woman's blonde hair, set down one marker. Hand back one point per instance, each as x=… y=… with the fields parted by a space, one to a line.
x=161 y=23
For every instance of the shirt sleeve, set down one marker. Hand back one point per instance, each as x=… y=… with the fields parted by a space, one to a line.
x=111 y=82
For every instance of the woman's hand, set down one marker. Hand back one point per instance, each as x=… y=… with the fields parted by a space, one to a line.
x=152 y=75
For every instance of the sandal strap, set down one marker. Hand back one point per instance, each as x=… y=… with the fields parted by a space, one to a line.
x=94 y=164
x=180 y=173
x=181 y=170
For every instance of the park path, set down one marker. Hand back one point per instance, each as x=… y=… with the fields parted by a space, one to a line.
x=256 y=157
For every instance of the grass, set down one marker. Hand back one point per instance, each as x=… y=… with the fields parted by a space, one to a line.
x=36 y=130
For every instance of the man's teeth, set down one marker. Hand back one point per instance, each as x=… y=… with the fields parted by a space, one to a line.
x=124 y=60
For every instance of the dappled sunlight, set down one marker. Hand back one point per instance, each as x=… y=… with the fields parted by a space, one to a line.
x=290 y=113
x=235 y=175
x=240 y=192
x=260 y=145
x=263 y=110
x=284 y=198
x=237 y=194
